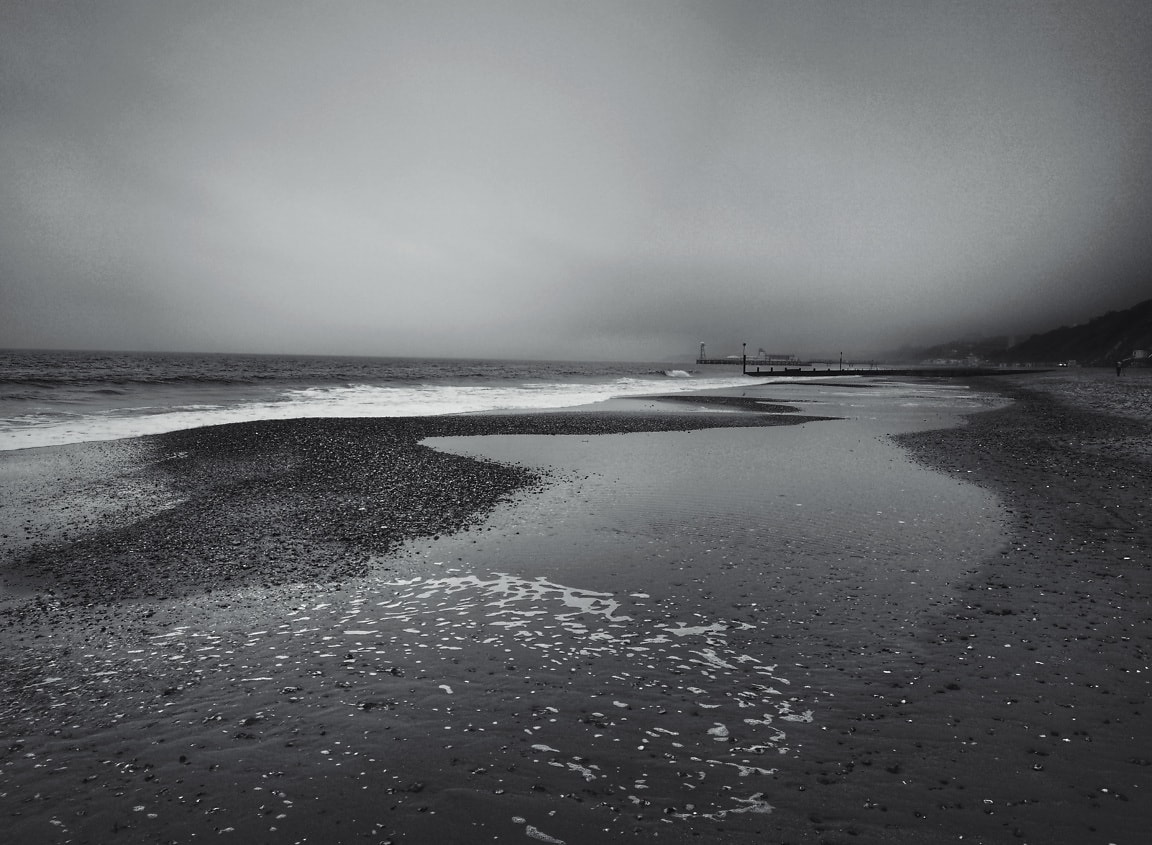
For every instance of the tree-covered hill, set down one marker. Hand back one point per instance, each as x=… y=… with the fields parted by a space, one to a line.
x=1103 y=340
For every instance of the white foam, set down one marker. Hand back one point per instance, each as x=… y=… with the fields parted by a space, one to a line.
x=536 y=833
x=358 y=400
x=419 y=625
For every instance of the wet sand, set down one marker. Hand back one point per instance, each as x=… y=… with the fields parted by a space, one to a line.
x=318 y=631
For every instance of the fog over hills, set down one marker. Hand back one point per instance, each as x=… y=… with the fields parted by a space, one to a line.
x=1100 y=341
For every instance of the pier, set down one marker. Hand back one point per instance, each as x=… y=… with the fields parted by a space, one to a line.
x=760 y=359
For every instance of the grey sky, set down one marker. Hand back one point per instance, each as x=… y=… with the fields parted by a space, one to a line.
x=560 y=179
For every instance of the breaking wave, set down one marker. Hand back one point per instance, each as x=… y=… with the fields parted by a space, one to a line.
x=108 y=414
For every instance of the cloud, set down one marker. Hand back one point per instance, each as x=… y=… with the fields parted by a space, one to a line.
x=568 y=179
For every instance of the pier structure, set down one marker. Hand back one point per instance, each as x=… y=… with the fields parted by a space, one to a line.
x=762 y=358
x=768 y=364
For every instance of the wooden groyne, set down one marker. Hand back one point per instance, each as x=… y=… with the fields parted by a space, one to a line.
x=923 y=372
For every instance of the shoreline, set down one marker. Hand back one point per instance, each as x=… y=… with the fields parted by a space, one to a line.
x=927 y=727
x=1050 y=647
x=327 y=494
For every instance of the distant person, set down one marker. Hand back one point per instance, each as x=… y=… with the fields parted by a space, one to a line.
x=1119 y=366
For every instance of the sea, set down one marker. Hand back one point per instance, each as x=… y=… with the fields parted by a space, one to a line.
x=51 y=398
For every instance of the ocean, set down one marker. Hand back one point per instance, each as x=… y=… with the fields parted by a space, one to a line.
x=56 y=397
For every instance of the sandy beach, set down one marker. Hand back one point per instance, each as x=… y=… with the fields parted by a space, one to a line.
x=663 y=623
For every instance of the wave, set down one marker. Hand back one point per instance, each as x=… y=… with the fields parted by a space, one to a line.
x=115 y=419
x=50 y=382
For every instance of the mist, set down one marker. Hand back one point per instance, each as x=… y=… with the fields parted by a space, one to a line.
x=546 y=179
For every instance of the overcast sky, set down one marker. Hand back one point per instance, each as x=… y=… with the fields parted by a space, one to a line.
x=568 y=179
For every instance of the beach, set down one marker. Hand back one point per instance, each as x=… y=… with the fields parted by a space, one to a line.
x=719 y=618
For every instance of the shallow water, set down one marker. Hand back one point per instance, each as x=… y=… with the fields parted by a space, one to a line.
x=743 y=538
x=836 y=489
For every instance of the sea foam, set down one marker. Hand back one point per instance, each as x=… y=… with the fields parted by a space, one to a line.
x=180 y=410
